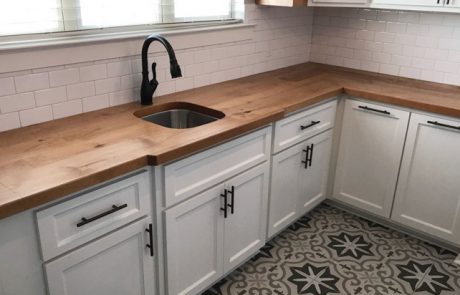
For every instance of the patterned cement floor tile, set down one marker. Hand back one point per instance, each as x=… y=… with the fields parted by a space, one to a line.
x=330 y=251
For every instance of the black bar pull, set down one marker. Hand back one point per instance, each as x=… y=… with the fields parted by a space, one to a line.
x=311 y=155
x=313 y=123
x=114 y=209
x=224 y=195
x=307 y=156
x=374 y=110
x=448 y=2
x=232 y=205
x=443 y=125
x=150 y=245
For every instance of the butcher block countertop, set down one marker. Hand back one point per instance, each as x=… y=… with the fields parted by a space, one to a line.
x=42 y=163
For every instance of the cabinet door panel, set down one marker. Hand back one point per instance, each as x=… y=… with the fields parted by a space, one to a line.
x=313 y=180
x=245 y=229
x=194 y=243
x=369 y=156
x=428 y=194
x=284 y=192
x=409 y=2
x=116 y=264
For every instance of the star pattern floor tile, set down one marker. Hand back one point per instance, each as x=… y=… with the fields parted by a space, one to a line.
x=329 y=251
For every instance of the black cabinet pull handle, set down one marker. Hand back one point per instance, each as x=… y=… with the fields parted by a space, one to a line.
x=150 y=245
x=438 y=1
x=114 y=209
x=232 y=205
x=308 y=156
x=448 y=2
x=224 y=195
x=443 y=125
x=374 y=110
x=313 y=123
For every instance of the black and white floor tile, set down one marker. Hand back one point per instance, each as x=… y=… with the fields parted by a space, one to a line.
x=329 y=251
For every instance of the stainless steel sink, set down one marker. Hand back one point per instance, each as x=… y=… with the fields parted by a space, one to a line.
x=179 y=115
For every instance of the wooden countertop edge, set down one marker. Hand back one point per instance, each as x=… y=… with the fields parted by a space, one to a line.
x=412 y=104
x=65 y=189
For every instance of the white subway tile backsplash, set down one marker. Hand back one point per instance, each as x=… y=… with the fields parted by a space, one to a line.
x=64 y=77
x=68 y=108
x=50 y=96
x=412 y=44
x=202 y=80
x=446 y=67
x=36 y=115
x=184 y=84
x=117 y=69
x=108 y=85
x=17 y=102
x=81 y=90
x=122 y=97
x=95 y=102
x=93 y=72
x=7 y=86
x=31 y=82
x=9 y=121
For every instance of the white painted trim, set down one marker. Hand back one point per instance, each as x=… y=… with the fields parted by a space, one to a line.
x=76 y=50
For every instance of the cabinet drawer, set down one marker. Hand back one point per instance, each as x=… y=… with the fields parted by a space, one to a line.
x=88 y=216
x=303 y=125
x=194 y=174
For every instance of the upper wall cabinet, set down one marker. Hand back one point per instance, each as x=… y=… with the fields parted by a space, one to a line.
x=286 y=3
x=421 y=5
x=339 y=3
x=426 y=3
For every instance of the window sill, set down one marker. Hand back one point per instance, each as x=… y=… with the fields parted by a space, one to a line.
x=47 y=52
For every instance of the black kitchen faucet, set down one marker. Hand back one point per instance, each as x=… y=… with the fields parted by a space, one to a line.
x=149 y=87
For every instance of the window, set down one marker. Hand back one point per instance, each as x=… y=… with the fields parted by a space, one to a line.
x=43 y=16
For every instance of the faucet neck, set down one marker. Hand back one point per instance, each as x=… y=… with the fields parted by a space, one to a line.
x=145 y=48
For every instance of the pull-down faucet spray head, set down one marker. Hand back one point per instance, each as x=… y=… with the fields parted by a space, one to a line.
x=148 y=87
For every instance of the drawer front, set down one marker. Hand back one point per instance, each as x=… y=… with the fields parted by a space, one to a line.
x=72 y=223
x=298 y=127
x=194 y=174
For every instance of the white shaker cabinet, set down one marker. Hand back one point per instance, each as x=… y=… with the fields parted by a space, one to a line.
x=369 y=156
x=410 y=2
x=339 y=3
x=299 y=179
x=246 y=224
x=423 y=5
x=214 y=231
x=194 y=243
x=428 y=194
x=117 y=264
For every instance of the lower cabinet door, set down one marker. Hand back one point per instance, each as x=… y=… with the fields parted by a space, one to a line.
x=299 y=179
x=194 y=242
x=428 y=193
x=369 y=157
x=246 y=224
x=117 y=264
x=284 y=193
x=314 y=174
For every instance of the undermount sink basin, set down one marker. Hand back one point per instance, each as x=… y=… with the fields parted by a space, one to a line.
x=179 y=115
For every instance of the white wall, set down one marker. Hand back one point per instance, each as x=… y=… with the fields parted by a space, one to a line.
x=417 y=45
x=280 y=38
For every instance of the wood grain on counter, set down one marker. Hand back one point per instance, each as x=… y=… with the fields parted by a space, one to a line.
x=42 y=163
